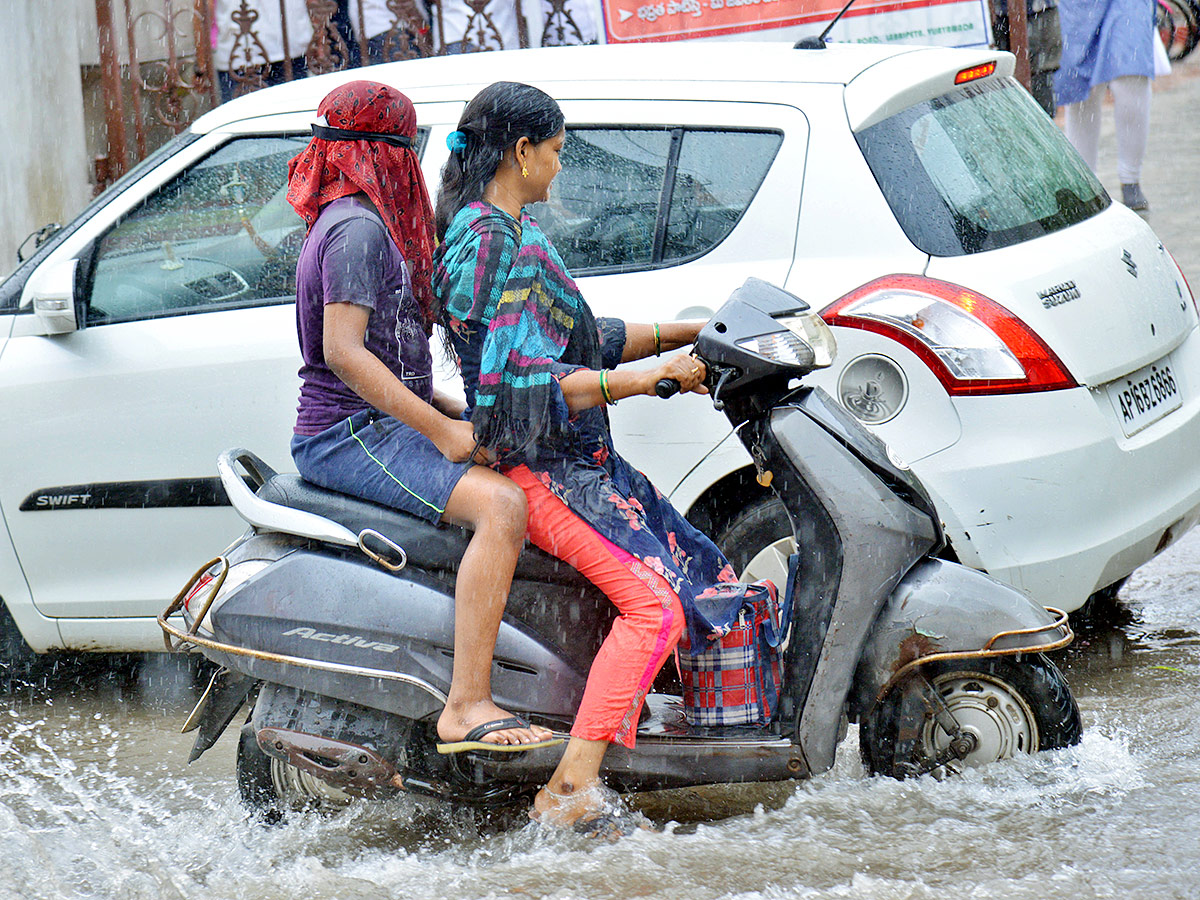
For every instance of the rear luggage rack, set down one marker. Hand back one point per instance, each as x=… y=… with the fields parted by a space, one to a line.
x=267 y=516
x=264 y=515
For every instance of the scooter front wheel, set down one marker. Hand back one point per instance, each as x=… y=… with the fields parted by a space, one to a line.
x=1003 y=706
x=757 y=540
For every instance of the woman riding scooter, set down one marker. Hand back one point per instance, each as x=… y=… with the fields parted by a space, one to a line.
x=539 y=370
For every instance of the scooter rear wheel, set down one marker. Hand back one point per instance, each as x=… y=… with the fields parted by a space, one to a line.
x=271 y=788
x=1008 y=705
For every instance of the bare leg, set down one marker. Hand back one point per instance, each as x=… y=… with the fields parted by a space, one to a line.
x=495 y=508
x=573 y=793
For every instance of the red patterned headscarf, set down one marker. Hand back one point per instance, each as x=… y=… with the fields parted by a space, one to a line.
x=336 y=164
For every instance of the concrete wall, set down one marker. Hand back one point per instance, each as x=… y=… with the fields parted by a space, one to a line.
x=44 y=167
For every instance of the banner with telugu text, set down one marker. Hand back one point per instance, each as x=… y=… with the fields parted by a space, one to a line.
x=955 y=23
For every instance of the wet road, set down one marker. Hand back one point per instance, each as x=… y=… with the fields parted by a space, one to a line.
x=96 y=800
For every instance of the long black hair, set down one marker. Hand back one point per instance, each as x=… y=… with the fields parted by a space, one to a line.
x=498 y=116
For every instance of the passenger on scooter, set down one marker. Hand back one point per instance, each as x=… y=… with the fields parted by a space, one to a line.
x=539 y=369
x=369 y=422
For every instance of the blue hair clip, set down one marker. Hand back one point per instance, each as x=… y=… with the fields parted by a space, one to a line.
x=456 y=141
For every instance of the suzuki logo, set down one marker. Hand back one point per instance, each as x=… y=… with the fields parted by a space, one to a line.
x=1127 y=258
x=1058 y=295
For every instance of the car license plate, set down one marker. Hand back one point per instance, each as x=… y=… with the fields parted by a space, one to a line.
x=1145 y=396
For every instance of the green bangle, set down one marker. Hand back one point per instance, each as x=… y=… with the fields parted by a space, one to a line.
x=608 y=398
x=657 y=341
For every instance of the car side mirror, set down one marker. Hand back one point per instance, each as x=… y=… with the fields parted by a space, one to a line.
x=37 y=238
x=51 y=292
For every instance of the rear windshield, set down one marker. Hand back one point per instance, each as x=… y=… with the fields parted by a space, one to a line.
x=979 y=168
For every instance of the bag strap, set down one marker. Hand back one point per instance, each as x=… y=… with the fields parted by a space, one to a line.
x=777 y=623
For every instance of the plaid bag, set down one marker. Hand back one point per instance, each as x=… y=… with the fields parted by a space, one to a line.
x=738 y=678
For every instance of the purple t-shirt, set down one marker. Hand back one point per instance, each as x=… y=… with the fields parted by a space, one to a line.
x=349 y=257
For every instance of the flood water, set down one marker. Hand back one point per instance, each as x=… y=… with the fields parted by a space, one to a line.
x=96 y=800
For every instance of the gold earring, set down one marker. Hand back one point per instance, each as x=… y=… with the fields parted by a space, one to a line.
x=524 y=171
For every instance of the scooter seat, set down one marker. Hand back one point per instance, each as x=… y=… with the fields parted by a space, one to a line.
x=428 y=546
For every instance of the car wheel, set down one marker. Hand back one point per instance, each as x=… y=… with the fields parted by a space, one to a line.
x=757 y=541
x=1008 y=705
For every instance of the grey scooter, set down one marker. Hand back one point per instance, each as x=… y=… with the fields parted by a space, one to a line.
x=334 y=617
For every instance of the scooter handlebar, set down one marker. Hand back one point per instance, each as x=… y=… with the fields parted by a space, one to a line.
x=666 y=387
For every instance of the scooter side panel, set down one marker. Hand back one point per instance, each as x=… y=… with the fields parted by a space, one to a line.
x=340 y=609
x=881 y=536
x=943 y=607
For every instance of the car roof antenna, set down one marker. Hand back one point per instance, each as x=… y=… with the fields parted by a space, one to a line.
x=817 y=42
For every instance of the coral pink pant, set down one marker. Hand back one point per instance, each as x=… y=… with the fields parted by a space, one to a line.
x=642 y=637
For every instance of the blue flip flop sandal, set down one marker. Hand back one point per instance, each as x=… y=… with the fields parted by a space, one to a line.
x=472 y=740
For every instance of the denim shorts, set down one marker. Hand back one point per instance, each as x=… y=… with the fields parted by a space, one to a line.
x=377 y=458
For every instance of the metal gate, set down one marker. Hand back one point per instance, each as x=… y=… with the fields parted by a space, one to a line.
x=165 y=62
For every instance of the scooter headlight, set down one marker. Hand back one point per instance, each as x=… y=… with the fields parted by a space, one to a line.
x=812 y=329
x=808 y=343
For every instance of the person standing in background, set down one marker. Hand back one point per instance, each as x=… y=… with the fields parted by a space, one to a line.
x=566 y=22
x=1108 y=45
x=1045 y=46
x=393 y=29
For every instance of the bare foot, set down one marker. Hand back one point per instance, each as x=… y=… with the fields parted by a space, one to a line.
x=457 y=720
x=593 y=810
x=569 y=805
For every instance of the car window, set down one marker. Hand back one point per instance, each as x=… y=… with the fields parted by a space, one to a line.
x=12 y=287
x=603 y=206
x=718 y=174
x=220 y=235
x=979 y=168
x=636 y=198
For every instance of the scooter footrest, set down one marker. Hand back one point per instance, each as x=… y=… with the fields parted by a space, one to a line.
x=666 y=718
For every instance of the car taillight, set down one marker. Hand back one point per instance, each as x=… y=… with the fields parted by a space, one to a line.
x=975 y=73
x=971 y=343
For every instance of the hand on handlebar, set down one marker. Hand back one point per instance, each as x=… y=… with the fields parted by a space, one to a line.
x=686 y=371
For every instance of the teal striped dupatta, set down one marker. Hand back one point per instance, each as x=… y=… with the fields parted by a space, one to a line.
x=492 y=269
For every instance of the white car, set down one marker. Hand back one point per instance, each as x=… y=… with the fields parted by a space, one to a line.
x=1027 y=346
